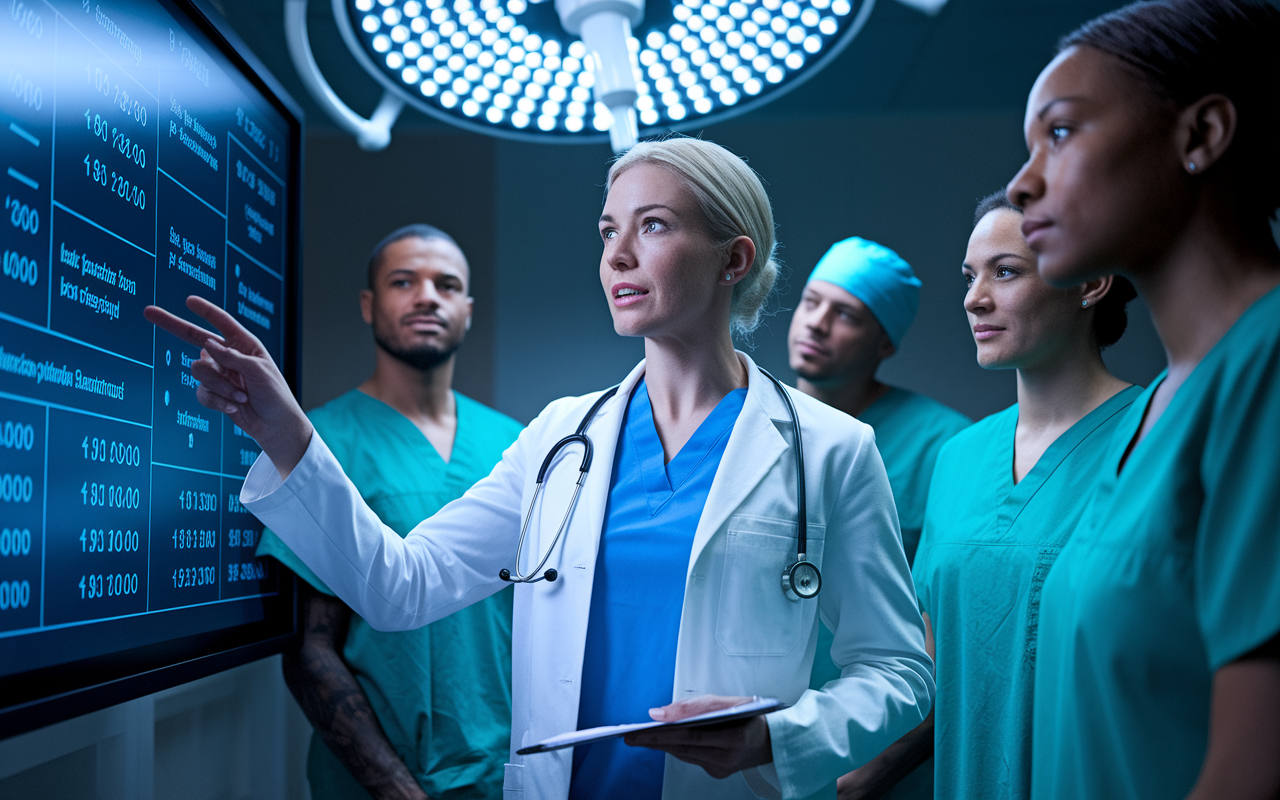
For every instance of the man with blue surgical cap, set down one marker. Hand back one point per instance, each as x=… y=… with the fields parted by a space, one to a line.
x=856 y=307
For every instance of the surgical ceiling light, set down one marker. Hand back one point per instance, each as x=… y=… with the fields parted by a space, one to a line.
x=576 y=70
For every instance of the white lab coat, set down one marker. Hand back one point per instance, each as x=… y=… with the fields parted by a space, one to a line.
x=739 y=635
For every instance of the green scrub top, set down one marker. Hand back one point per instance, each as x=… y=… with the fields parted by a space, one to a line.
x=441 y=693
x=1175 y=573
x=910 y=431
x=987 y=547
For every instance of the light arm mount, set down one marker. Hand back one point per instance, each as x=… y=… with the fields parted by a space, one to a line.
x=604 y=27
x=371 y=134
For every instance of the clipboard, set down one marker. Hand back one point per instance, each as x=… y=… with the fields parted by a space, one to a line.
x=755 y=707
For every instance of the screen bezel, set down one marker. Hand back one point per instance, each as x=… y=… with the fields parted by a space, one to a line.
x=47 y=695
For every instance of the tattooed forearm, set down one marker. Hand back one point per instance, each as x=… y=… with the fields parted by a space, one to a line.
x=336 y=705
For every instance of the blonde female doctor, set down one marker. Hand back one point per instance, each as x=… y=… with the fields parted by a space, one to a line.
x=668 y=595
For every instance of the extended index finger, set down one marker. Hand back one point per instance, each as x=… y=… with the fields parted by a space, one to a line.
x=186 y=331
x=233 y=333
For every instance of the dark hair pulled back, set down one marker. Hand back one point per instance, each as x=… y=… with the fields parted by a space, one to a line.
x=1187 y=49
x=1110 y=315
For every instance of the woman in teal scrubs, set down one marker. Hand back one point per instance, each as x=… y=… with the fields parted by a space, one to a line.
x=1006 y=495
x=1152 y=153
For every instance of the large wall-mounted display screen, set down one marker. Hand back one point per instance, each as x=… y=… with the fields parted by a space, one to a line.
x=142 y=160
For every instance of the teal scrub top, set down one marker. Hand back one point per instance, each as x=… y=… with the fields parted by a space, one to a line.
x=441 y=693
x=910 y=432
x=988 y=544
x=1175 y=574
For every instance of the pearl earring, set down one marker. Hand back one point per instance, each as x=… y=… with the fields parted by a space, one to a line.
x=1084 y=303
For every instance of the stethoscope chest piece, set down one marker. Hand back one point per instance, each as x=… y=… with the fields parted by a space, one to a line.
x=801 y=581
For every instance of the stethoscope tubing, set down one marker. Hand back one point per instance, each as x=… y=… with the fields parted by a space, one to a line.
x=802 y=536
x=579 y=436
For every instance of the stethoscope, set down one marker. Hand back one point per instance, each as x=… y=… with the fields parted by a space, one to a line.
x=801 y=580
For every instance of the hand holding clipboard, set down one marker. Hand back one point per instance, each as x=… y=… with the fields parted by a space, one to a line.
x=753 y=707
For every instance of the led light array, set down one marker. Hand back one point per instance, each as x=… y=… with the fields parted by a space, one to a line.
x=473 y=59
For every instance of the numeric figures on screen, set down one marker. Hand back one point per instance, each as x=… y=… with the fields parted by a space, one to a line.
x=107 y=140
x=243 y=573
x=96 y=518
x=118 y=490
x=185 y=532
x=22 y=438
x=27 y=54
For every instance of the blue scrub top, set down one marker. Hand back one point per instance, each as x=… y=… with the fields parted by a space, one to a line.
x=638 y=593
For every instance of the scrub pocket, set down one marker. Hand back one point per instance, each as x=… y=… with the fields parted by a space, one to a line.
x=755 y=618
x=1044 y=562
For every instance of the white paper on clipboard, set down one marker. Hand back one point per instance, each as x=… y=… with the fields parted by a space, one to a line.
x=752 y=708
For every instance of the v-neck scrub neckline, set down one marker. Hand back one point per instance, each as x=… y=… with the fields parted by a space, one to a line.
x=661 y=479
x=1020 y=493
x=441 y=693
x=391 y=417
x=987 y=547
x=637 y=596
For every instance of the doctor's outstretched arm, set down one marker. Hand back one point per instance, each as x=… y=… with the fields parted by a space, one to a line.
x=238 y=378
x=298 y=489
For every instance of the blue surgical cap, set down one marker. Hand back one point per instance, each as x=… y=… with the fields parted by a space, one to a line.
x=878 y=277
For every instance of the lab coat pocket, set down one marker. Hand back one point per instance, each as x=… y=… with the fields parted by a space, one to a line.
x=513 y=781
x=755 y=618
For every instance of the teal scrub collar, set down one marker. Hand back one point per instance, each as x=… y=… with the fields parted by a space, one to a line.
x=878 y=277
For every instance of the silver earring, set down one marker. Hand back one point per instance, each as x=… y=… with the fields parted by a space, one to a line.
x=728 y=276
x=1191 y=166
x=1084 y=303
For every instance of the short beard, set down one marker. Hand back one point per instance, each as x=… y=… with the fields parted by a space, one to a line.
x=424 y=358
x=815 y=377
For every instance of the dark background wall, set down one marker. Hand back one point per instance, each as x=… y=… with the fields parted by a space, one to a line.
x=351 y=200
x=894 y=141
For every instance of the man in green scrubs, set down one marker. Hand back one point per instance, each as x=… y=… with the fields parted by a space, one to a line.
x=426 y=712
x=857 y=305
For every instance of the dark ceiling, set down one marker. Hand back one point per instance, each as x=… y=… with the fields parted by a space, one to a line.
x=975 y=55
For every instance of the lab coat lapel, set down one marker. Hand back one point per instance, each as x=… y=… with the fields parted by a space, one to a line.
x=754 y=447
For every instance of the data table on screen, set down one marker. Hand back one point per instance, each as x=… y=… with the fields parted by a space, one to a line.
x=136 y=167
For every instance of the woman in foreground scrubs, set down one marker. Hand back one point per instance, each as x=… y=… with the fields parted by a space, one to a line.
x=670 y=564
x=1006 y=495
x=1152 y=141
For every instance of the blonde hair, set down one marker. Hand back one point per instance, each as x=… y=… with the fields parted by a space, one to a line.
x=733 y=202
